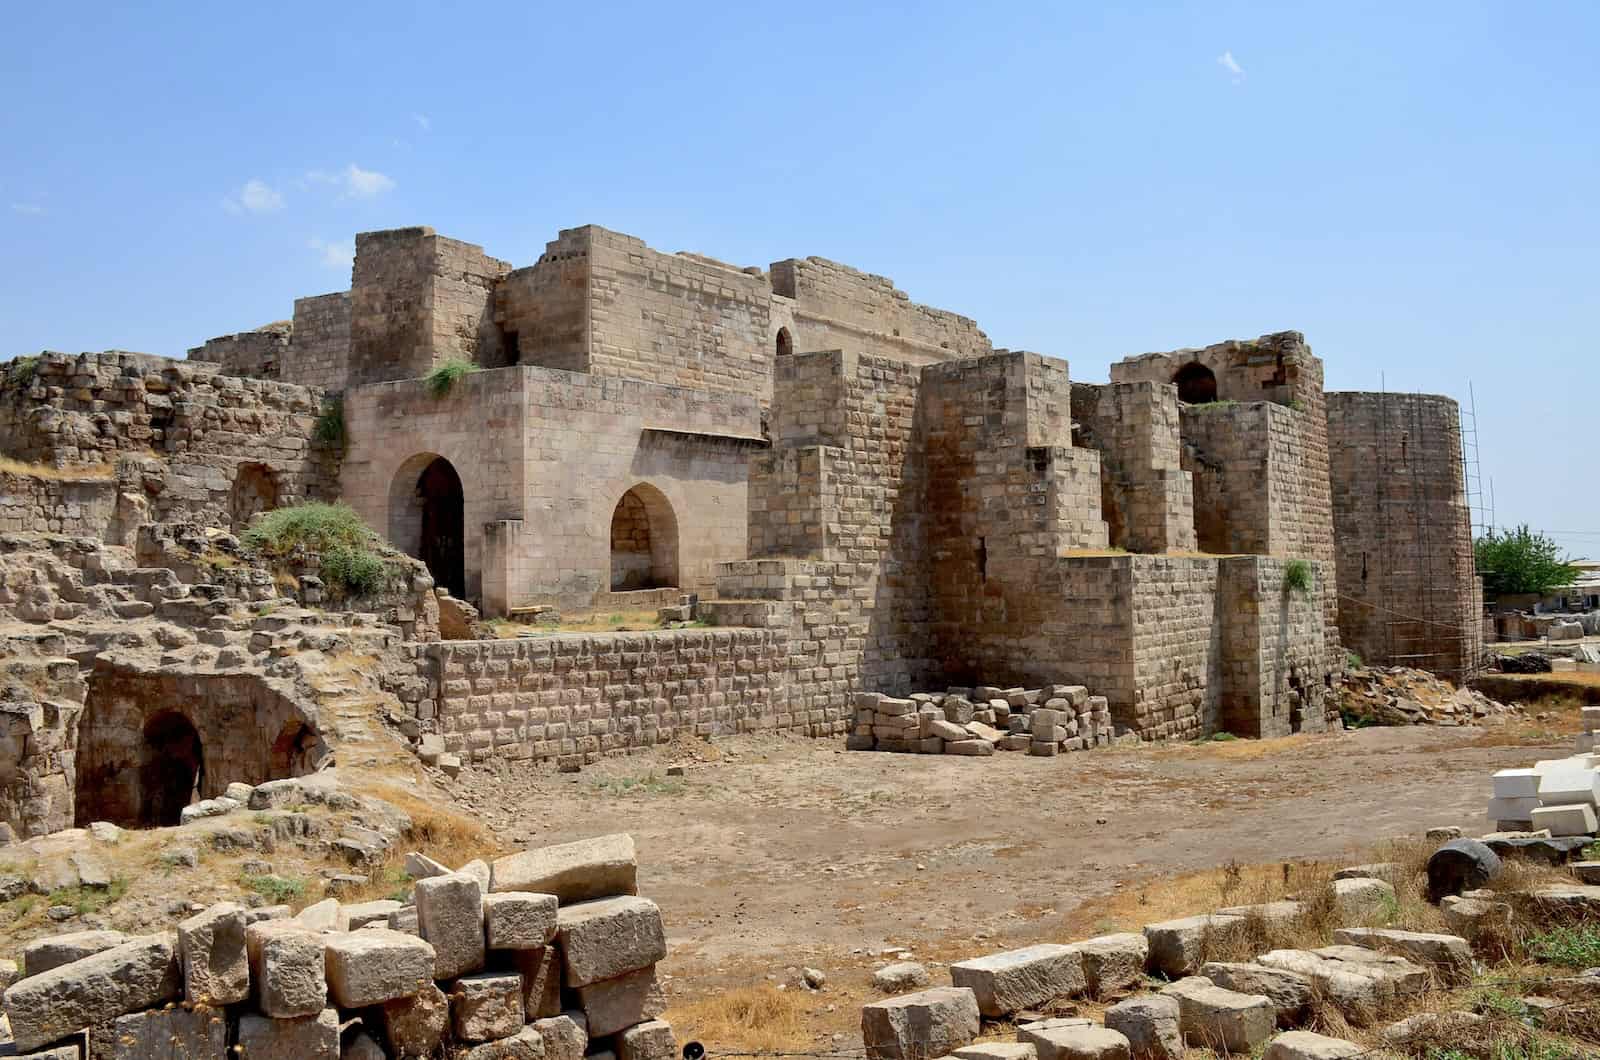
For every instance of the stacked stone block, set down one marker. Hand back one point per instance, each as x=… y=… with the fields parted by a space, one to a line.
x=492 y=969
x=979 y=721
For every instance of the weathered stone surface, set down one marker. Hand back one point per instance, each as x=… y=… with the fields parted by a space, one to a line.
x=1361 y=983
x=1215 y=1017
x=162 y=1034
x=361 y=914
x=298 y=1038
x=287 y=969
x=1400 y=977
x=1112 y=963
x=566 y=1037
x=421 y=866
x=413 y=1026
x=1430 y=1027
x=1376 y=870
x=450 y=918
x=1448 y=955
x=216 y=967
x=363 y=1047
x=613 y=1004
x=920 y=1026
x=326 y=915
x=997 y=1051
x=519 y=920
x=541 y=981
x=1356 y=897
x=526 y=1044
x=1082 y=1042
x=1475 y=918
x=1289 y=991
x=486 y=1006
x=651 y=1040
x=139 y=974
x=1304 y=1045
x=1178 y=947
x=376 y=965
x=1008 y=982
x=9 y=973
x=41 y=955
x=1151 y=1025
x=608 y=937
x=900 y=977
x=574 y=872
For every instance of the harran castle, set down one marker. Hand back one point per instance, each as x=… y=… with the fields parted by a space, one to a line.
x=854 y=492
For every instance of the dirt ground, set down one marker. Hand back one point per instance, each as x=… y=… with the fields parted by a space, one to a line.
x=783 y=852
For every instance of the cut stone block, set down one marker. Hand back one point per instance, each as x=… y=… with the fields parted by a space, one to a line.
x=139 y=974
x=1112 y=963
x=1304 y=1045
x=486 y=1006
x=1150 y=1023
x=286 y=968
x=41 y=955
x=373 y=966
x=1449 y=955
x=1516 y=784
x=163 y=1034
x=526 y=1044
x=1081 y=1042
x=573 y=872
x=900 y=977
x=301 y=1038
x=1518 y=809
x=1474 y=918
x=566 y=1037
x=1357 y=897
x=541 y=981
x=422 y=867
x=414 y=1026
x=216 y=967
x=519 y=920
x=450 y=918
x=1009 y=982
x=997 y=1051
x=1277 y=914
x=920 y=1026
x=404 y=919
x=1587 y=871
x=651 y=1040
x=322 y=916
x=363 y=913
x=970 y=748
x=1377 y=870
x=1573 y=820
x=1179 y=947
x=945 y=730
x=1210 y=1015
x=1290 y=992
x=613 y=1004
x=1563 y=787
x=608 y=937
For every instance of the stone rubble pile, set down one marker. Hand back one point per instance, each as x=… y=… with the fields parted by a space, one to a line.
x=1558 y=794
x=979 y=721
x=548 y=954
x=1228 y=1007
x=1396 y=695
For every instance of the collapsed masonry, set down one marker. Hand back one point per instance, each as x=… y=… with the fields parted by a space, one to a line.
x=865 y=494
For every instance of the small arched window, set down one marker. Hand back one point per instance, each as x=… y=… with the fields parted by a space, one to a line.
x=785 y=342
x=1197 y=384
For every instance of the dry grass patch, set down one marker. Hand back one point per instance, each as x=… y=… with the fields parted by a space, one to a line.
x=70 y=473
x=1562 y=718
x=758 y=1018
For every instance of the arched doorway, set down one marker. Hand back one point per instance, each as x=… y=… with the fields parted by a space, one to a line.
x=171 y=768
x=255 y=490
x=644 y=541
x=785 y=342
x=427 y=518
x=1197 y=384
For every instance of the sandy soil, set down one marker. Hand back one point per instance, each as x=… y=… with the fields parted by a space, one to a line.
x=787 y=850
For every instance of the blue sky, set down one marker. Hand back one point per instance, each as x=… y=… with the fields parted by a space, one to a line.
x=1414 y=186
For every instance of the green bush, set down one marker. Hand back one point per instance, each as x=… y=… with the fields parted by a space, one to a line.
x=1352 y=660
x=21 y=371
x=444 y=376
x=329 y=429
x=1297 y=576
x=278 y=890
x=349 y=549
x=1572 y=947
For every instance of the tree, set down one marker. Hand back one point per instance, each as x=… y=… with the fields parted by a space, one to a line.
x=1521 y=561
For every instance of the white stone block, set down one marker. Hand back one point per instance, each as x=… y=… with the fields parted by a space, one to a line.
x=1520 y=809
x=1567 y=787
x=1575 y=819
x=1516 y=784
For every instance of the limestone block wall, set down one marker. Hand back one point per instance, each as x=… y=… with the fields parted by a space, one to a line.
x=198 y=440
x=417 y=299
x=1275 y=657
x=556 y=451
x=1404 y=533
x=835 y=306
x=255 y=354
x=543 y=310
x=1278 y=367
x=319 y=346
x=580 y=696
x=41 y=698
x=1146 y=497
x=51 y=505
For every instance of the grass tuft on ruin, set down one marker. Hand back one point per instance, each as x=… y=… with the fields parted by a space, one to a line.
x=1297 y=576
x=351 y=553
x=443 y=378
x=329 y=428
x=20 y=372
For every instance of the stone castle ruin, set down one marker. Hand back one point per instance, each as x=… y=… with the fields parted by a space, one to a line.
x=854 y=492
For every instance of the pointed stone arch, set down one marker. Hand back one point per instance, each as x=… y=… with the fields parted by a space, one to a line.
x=644 y=540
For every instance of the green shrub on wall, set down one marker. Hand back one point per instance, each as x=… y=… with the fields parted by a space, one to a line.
x=444 y=376
x=351 y=561
x=1297 y=576
x=329 y=429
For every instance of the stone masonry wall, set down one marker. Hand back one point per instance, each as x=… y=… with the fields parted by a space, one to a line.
x=1147 y=499
x=835 y=306
x=1404 y=532
x=546 y=305
x=45 y=504
x=319 y=347
x=255 y=354
x=1275 y=663
x=576 y=697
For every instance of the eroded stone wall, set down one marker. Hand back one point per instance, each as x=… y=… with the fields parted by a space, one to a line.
x=1146 y=497
x=255 y=354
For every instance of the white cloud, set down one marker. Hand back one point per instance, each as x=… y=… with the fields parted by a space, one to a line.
x=257 y=196
x=354 y=182
x=423 y=122
x=1230 y=64
x=334 y=255
x=30 y=209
